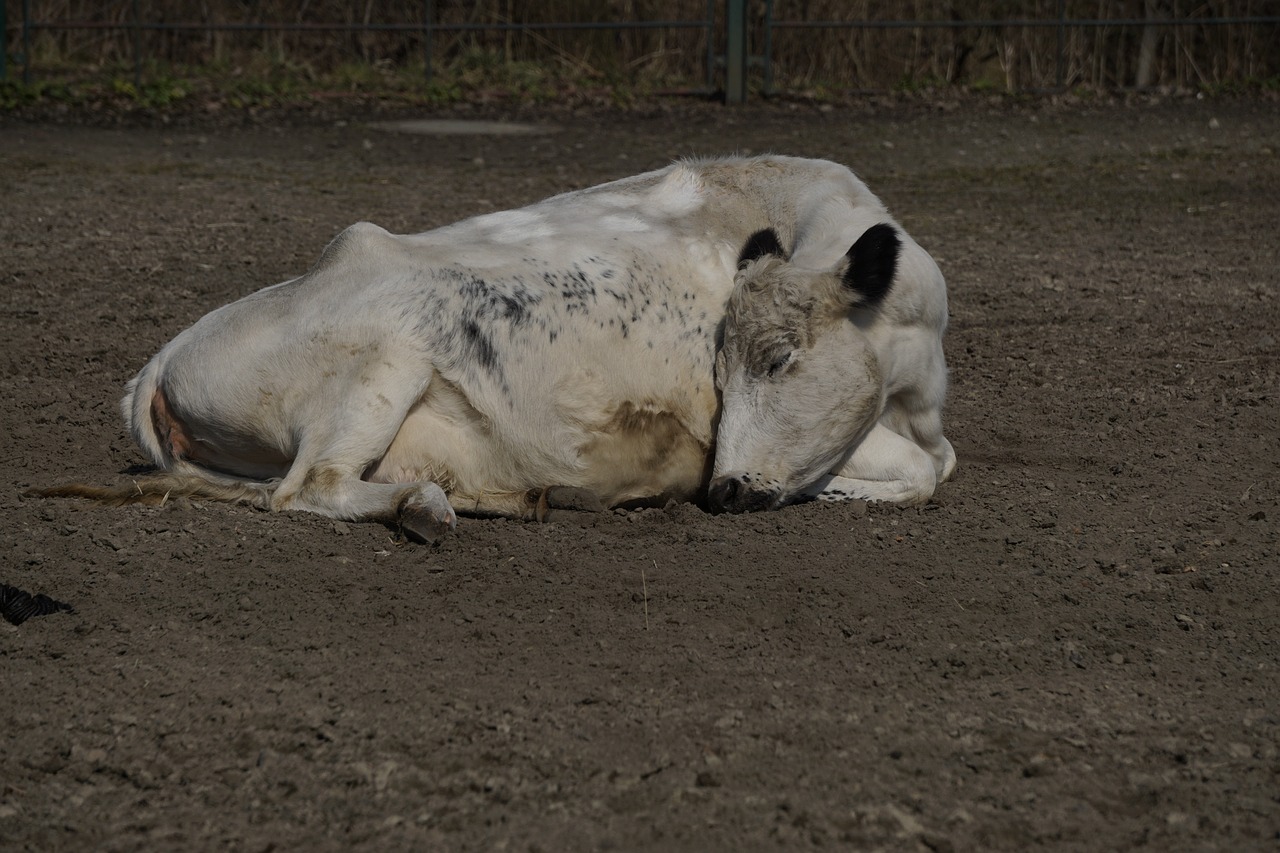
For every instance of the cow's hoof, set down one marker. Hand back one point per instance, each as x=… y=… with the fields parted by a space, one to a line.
x=557 y=502
x=424 y=527
x=425 y=515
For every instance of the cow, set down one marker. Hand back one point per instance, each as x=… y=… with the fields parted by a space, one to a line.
x=561 y=355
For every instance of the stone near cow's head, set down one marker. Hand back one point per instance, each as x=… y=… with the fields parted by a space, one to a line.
x=800 y=383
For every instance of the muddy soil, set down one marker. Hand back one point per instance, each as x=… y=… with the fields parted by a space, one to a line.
x=1073 y=646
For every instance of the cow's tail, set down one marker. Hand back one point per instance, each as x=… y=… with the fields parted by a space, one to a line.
x=162 y=438
x=159 y=489
x=139 y=394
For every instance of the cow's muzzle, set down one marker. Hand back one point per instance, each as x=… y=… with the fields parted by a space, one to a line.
x=731 y=494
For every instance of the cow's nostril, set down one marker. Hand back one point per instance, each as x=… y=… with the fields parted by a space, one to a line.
x=731 y=494
x=723 y=493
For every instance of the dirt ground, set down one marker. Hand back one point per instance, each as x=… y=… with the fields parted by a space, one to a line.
x=1074 y=646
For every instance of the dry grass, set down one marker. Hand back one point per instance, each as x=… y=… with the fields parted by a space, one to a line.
x=814 y=60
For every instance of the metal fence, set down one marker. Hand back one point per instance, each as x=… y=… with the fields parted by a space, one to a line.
x=1060 y=23
x=727 y=38
x=428 y=28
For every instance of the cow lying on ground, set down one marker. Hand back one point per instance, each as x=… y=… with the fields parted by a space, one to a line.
x=563 y=353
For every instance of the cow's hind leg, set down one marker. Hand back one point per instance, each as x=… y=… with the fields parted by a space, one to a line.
x=883 y=467
x=336 y=490
x=336 y=449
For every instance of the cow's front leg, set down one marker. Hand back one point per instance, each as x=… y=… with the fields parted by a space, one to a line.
x=923 y=424
x=554 y=503
x=883 y=467
x=557 y=503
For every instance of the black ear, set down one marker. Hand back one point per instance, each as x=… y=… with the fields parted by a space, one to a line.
x=759 y=244
x=873 y=260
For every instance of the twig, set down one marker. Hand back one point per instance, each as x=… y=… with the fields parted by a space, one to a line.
x=644 y=588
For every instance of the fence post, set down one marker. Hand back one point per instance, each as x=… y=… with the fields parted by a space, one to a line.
x=711 y=45
x=735 y=52
x=137 y=48
x=1059 y=67
x=768 y=48
x=26 y=42
x=428 y=37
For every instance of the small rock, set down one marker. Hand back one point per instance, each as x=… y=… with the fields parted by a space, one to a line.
x=1040 y=765
x=707 y=779
x=909 y=824
x=341 y=528
x=1240 y=750
x=1185 y=621
x=1116 y=658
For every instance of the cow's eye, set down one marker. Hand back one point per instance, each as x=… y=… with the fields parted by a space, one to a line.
x=781 y=363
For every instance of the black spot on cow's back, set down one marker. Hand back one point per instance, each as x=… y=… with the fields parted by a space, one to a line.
x=479 y=347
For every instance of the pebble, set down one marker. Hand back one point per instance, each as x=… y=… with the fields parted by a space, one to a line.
x=1240 y=750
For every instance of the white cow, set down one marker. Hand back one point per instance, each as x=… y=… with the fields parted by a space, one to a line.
x=500 y=366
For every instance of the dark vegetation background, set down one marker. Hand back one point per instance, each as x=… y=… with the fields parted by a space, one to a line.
x=252 y=67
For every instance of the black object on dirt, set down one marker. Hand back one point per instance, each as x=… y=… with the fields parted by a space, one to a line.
x=18 y=606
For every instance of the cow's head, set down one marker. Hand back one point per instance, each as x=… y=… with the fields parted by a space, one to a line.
x=800 y=384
